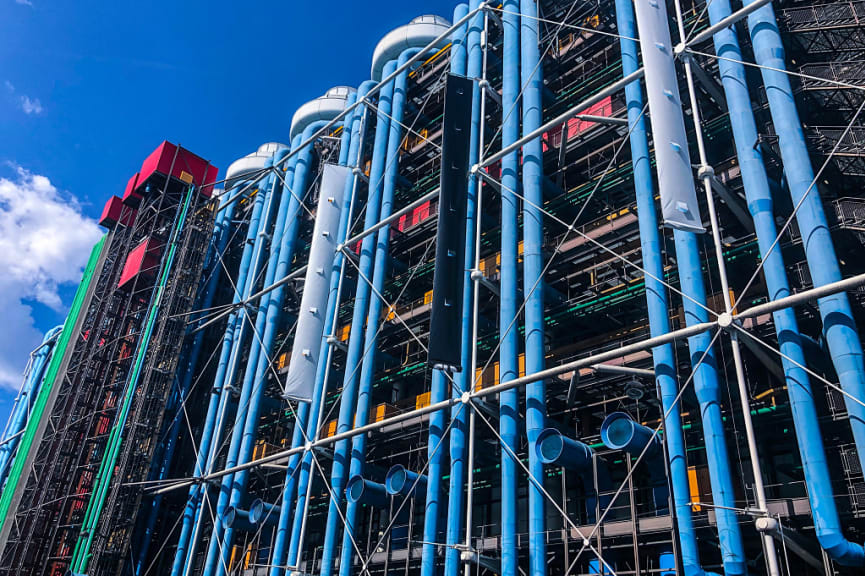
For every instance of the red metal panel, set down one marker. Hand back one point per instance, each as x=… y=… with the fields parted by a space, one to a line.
x=114 y=212
x=141 y=260
x=131 y=195
x=577 y=126
x=167 y=160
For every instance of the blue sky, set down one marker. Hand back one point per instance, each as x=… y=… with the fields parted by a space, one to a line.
x=88 y=89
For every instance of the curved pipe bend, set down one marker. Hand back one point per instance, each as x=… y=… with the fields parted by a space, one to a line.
x=416 y=34
x=362 y=491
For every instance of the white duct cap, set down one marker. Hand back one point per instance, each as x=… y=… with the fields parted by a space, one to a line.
x=416 y=34
x=270 y=148
x=250 y=163
x=325 y=107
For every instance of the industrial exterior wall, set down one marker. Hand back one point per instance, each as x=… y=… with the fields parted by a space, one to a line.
x=593 y=303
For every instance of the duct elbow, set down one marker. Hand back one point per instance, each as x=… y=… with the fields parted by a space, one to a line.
x=416 y=34
x=405 y=482
x=553 y=447
x=619 y=432
x=325 y=107
x=363 y=491
x=840 y=549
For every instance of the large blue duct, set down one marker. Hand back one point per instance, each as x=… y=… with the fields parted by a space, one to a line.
x=29 y=390
x=619 y=432
x=348 y=156
x=223 y=226
x=708 y=391
x=531 y=74
x=313 y=116
x=554 y=448
x=221 y=393
x=656 y=294
x=839 y=326
x=367 y=368
x=259 y=242
x=758 y=194
x=348 y=397
x=267 y=321
x=509 y=402
x=682 y=213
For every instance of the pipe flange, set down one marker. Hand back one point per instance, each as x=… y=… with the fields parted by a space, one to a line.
x=466 y=397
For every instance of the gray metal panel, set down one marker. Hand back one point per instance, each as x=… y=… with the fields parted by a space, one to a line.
x=316 y=289
x=679 y=206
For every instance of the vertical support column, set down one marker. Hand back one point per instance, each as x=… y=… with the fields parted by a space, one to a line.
x=531 y=74
x=356 y=341
x=681 y=211
x=459 y=413
x=373 y=317
x=348 y=156
x=656 y=294
x=508 y=330
x=839 y=326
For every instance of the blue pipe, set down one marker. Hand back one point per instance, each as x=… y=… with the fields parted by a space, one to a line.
x=221 y=392
x=355 y=341
x=218 y=242
x=348 y=153
x=21 y=409
x=224 y=224
x=463 y=379
x=554 y=448
x=759 y=197
x=839 y=326
x=399 y=480
x=256 y=237
x=709 y=397
x=531 y=71
x=363 y=491
x=233 y=488
x=367 y=369
x=509 y=402
x=261 y=512
x=439 y=388
x=619 y=432
x=656 y=295
x=237 y=518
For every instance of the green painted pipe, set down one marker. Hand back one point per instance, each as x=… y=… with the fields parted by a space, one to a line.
x=39 y=406
x=81 y=555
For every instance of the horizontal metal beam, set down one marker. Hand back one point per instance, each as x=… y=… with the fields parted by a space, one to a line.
x=588 y=362
x=563 y=117
x=803 y=297
x=725 y=23
x=392 y=218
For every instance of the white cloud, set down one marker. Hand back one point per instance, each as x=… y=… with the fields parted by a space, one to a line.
x=44 y=243
x=24 y=2
x=29 y=106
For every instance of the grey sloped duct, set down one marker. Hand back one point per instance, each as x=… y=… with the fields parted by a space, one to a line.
x=300 y=380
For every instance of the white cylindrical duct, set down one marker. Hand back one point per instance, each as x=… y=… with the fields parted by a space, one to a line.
x=316 y=290
x=416 y=34
x=250 y=164
x=324 y=107
x=675 y=178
